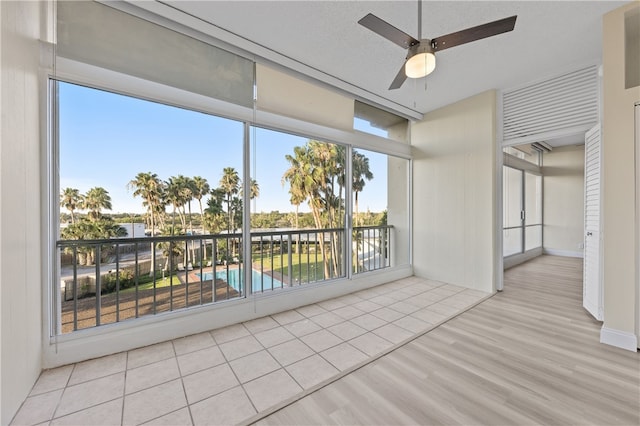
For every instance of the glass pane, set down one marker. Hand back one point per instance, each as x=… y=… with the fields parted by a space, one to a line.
x=168 y=179
x=533 y=237
x=533 y=199
x=378 y=122
x=512 y=241
x=297 y=215
x=373 y=240
x=512 y=197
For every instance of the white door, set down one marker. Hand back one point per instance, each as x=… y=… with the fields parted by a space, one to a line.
x=592 y=286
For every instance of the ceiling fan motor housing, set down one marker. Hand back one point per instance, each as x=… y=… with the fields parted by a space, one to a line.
x=421 y=60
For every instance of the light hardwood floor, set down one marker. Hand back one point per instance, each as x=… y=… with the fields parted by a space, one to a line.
x=529 y=355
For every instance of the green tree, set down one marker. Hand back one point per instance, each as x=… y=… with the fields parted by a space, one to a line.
x=176 y=195
x=151 y=189
x=312 y=176
x=94 y=201
x=92 y=229
x=172 y=251
x=188 y=188
x=201 y=188
x=254 y=189
x=214 y=215
x=361 y=171
x=70 y=199
x=230 y=186
x=297 y=182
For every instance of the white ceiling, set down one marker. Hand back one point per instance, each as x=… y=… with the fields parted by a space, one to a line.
x=549 y=38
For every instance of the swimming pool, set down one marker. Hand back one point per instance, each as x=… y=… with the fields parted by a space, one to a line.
x=234 y=279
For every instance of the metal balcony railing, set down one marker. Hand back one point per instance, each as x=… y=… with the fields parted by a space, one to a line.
x=112 y=280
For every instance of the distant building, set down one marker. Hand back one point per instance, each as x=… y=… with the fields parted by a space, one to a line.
x=134 y=230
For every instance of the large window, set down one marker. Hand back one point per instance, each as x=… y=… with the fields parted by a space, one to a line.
x=141 y=185
x=157 y=212
x=301 y=208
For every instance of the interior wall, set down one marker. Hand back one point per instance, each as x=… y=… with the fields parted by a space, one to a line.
x=454 y=199
x=563 y=201
x=398 y=210
x=618 y=189
x=20 y=240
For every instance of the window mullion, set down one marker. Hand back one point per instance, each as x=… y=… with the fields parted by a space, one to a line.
x=246 y=209
x=348 y=212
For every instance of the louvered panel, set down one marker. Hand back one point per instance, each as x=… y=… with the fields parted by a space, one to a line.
x=548 y=92
x=550 y=100
x=592 y=290
x=551 y=108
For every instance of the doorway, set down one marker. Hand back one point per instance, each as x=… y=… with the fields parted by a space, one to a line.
x=522 y=201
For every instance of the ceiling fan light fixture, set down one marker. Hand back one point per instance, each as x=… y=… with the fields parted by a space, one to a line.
x=421 y=61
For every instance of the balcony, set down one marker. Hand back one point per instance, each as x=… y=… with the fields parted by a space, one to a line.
x=141 y=277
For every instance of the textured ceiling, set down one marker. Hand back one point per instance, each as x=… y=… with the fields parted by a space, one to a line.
x=549 y=38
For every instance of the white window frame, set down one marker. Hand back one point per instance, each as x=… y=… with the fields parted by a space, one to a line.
x=64 y=349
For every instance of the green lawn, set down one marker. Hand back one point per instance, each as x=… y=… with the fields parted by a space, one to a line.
x=146 y=282
x=301 y=270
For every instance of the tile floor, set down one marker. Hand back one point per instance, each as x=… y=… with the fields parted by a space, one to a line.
x=229 y=375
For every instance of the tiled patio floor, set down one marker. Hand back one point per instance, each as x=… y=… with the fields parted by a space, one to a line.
x=234 y=374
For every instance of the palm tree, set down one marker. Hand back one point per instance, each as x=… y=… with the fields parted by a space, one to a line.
x=230 y=185
x=201 y=188
x=95 y=200
x=171 y=251
x=294 y=176
x=361 y=171
x=308 y=179
x=70 y=199
x=254 y=189
x=175 y=195
x=150 y=188
x=188 y=189
x=296 y=199
x=88 y=229
x=326 y=170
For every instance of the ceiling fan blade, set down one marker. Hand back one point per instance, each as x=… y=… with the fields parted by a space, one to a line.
x=387 y=31
x=474 y=33
x=400 y=78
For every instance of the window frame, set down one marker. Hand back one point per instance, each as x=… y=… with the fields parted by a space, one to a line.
x=90 y=76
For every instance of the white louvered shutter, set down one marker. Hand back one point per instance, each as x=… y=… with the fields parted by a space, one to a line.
x=592 y=287
x=556 y=107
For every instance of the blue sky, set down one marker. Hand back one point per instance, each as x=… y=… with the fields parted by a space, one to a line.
x=106 y=139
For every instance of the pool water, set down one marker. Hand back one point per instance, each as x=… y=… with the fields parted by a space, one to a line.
x=259 y=281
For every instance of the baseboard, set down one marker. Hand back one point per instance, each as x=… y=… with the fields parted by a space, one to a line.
x=564 y=253
x=619 y=339
x=517 y=259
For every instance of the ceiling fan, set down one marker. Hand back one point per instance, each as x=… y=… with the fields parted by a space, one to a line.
x=421 y=59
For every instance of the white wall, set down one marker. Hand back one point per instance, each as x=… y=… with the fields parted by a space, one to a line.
x=564 y=201
x=618 y=191
x=454 y=199
x=398 y=209
x=20 y=240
